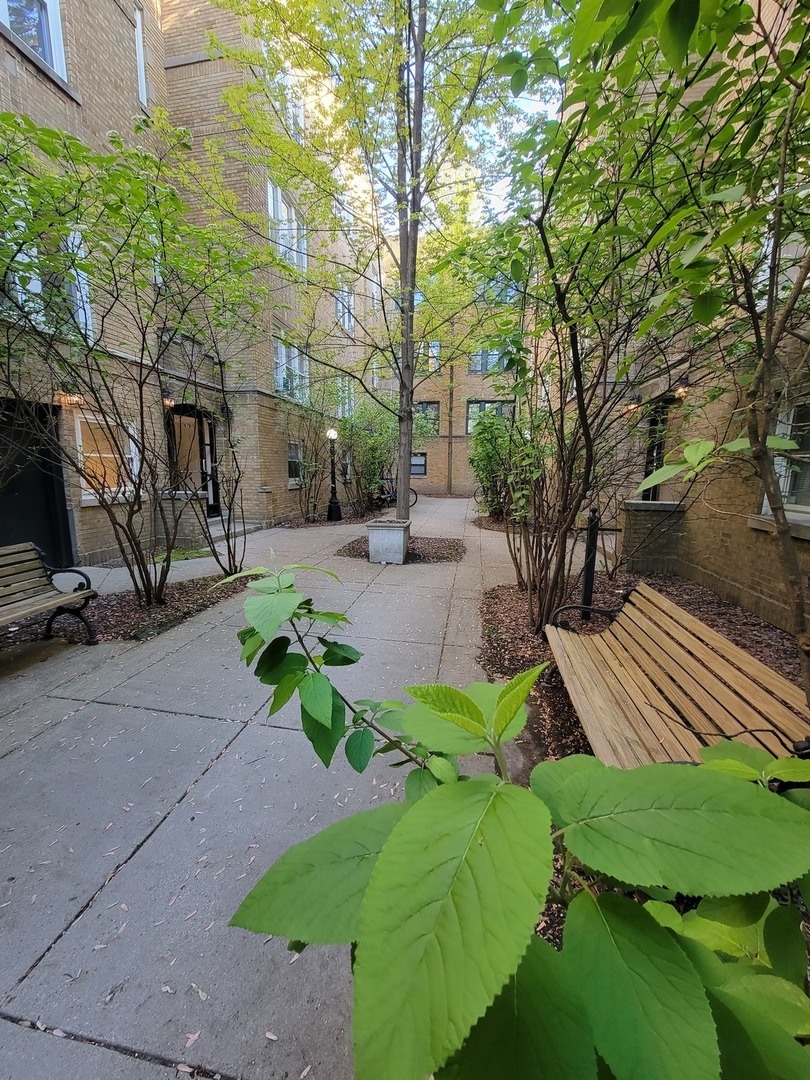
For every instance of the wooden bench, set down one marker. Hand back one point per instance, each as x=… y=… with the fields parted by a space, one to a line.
x=27 y=588
x=658 y=684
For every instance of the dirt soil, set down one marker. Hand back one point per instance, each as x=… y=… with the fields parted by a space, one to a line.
x=119 y=615
x=421 y=549
x=509 y=648
x=349 y=518
x=485 y=522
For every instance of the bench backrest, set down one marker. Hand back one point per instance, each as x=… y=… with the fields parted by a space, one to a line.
x=22 y=575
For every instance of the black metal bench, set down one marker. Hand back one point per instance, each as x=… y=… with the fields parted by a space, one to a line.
x=658 y=684
x=27 y=589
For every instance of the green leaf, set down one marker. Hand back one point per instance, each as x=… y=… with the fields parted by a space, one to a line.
x=268 y=613
x=272 y=656
x=438 y=733
x=644 y=11
x=452 y=704
x=731 y=750
x=691 y=251
x=549 y=777
x=735 y=910
x=534 y=1028
x=728 y=195
x=736 y=445
x=518 y=82
x=695 y=451
x=740 y=228
x=442 y=769
x=639 y=973
x=780 y=442
x=315 y=692
x=360 y=749
x=707 y=306
x=338 y=654
x=757 y=1001
x=698 y=832
x=480 y=879
x=513 y=695
x=331 y=618
x=419 y=782
x=325 y=739
x=790 y=769
x=733 y=938
x=292 y=664
x=677 y=29
x=317 y=569
x=732 y=768
x=785 y=944
x=284 y=691
x=314 y=891
x=660 y=476
x=250 y=646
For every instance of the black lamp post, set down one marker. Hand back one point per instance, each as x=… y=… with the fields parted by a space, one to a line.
x=333 y=513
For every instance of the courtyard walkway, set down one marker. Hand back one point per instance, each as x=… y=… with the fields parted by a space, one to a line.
x=144 y=790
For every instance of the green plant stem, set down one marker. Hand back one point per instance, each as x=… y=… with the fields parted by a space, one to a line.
x=500 y=760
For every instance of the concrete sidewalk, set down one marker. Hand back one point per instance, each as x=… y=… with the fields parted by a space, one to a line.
x=145 y=790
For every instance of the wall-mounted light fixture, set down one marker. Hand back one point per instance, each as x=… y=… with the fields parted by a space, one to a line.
x=70 y=398
x=681 y=388
x=632 y=404
x=168 y=402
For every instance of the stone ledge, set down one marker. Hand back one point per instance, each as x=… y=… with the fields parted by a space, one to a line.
x=764 y=523
x=650 y=504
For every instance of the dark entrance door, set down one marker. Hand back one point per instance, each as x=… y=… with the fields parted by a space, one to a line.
x=33 y=507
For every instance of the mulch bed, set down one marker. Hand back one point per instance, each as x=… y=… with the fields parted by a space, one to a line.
x=485 y=522
x=421 y=549
x=119 y=615
x=509 y=647
x=349 y=518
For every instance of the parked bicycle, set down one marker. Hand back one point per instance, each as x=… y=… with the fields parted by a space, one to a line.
x=387 y=495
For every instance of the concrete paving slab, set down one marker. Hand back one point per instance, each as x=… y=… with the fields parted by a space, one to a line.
x=402 y=614
x=30 y=720
x=419 y=575
x=77 y=801
x=27 y=1054
x=181 y=888
x=459 y=666
x=463 y=622
x=203 y=678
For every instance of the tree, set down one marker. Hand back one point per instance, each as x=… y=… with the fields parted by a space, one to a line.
x=402 y=115
x=116 y=304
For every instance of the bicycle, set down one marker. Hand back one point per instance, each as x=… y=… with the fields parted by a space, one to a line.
x=387 y=495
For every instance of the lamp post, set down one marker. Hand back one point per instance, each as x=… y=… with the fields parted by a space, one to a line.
x=333 y=513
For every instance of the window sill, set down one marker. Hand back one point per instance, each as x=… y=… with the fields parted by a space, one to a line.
x=799 y=526
x=294 y=485
x=39 y=63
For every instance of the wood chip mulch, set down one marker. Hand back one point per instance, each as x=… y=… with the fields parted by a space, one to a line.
x=483 y=521
x=510 y=647
x=421 y=549
x=349 y=518
x=119 y=615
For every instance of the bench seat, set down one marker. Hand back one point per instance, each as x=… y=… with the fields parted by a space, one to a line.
x=27 y=589
x=658 y=684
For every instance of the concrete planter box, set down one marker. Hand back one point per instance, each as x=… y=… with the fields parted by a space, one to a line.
x=388 y=541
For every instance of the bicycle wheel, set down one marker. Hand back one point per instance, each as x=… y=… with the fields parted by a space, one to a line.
x=413 y=497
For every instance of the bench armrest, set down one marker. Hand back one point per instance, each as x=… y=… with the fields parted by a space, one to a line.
x=607 y=613
x=84 y=585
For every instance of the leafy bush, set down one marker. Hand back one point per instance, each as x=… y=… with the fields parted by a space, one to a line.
x=442 y=893
x=490 y=461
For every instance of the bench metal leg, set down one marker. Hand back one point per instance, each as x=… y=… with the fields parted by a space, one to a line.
x=77 y=613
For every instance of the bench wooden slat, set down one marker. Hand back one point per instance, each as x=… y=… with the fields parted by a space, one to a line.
x=754 y=701
x=22 y=592
x=26 y=590
x=768 y=678
x=18 y=612
x=31 y=563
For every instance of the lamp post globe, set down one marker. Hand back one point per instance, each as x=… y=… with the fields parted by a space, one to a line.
x=333 y=512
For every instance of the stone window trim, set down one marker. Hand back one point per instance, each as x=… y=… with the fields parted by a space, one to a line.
x=88 y=496
x=51 y=52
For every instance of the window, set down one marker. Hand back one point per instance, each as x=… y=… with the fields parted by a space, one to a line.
x=345 y=396
x=140 y=58
x=427 y=357
x=476 y=408
x=656 y=439
x=294 y=462
x=484 y=361
x=430 y=410
x=418 y=464
x=344 y=308
x=108 y=455
x=375 y=285
x=291 y=370
x=57 y=299
x=294 y=107
x=286 y=231
x=38 y=24
x=186 y=452
x=794 y=467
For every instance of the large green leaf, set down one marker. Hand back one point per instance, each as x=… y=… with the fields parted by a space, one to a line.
x=784 y=943
x=452 y=704
x=419 y=782
x=315 y=692
x=447 y=916
x=699 y=832
x=534 y=1028
x=438 y=733
x=272 y=656
x=313 y=892
x=512 y=696
x=677 y=29
x=644 y=1000
x=267 y=613
x=360 y=748
x=731 y=750
x=325 y=740
x=549 y=777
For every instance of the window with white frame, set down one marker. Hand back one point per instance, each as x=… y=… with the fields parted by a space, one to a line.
x=108 y=455
x=55 y=300
x=484 y=361
x=375 y=285
x=294 y=106
x=293 y=463
x=286 y=230
x=427 y=357
x=140 y=58
x=430 y=411
x=75 y=285
x=475 y=409
x=291 y=370
x=345 y=396
x=793 y=467
x=418 y=464
x=344 y=308
x=38 y=24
